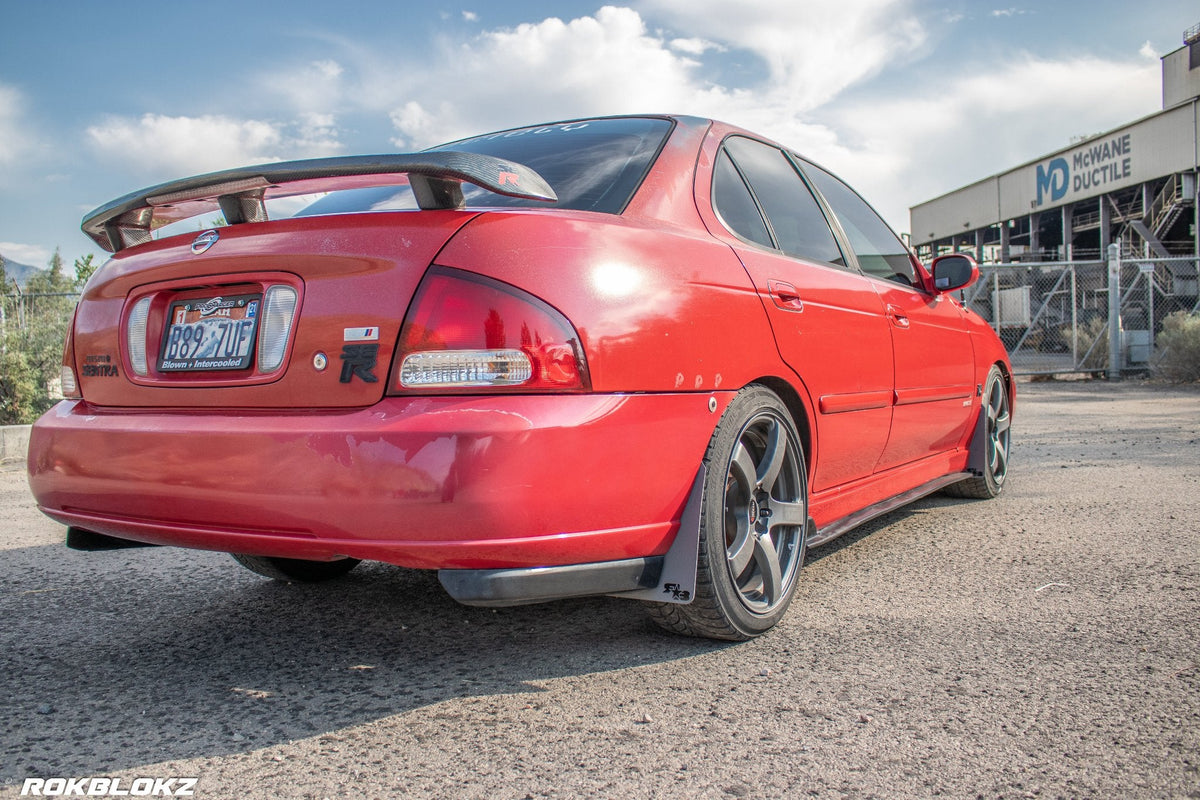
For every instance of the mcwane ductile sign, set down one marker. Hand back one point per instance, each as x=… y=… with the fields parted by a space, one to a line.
x=1146 y=150
x=1149 y=149
x=1089 y=170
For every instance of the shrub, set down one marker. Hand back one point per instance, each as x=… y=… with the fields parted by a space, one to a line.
x=1092 y=343
x=1179 y=348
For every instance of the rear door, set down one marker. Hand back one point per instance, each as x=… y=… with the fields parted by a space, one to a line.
x=828 y=320
x=934 y=357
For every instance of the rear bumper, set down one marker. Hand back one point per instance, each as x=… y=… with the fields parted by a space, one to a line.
x=438 y=483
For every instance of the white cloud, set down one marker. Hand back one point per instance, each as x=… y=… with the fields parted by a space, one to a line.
x=328 y=68
x=603 y=64
x=470 y=16
x=318 y=86
x=158 y=144
x=1147 y=51
x=695 y=47
x=815 y=49
x=317 y=136
x=31 y=254
x=902 y=151
x=165 y=146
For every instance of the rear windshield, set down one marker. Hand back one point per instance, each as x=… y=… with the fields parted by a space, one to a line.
x=593 y=165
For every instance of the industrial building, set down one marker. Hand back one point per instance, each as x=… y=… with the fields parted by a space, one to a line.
x=1134 y=185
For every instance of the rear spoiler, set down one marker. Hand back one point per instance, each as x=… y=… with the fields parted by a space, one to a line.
x=436 y=179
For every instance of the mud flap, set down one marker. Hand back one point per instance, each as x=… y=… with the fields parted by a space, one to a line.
x=977 y=458
x=677 y=583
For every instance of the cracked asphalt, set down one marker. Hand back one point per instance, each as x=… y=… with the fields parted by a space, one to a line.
x=1041 y=645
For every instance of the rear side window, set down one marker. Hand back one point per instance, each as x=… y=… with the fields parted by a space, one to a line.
x=797 y=225
x=732 y=200
x=880 y=252
x=593 y=165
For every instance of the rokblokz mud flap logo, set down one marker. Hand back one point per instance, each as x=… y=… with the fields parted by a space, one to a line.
x=109 y=787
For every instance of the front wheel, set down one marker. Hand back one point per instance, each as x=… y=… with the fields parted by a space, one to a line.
x=996 y=421
x=295 y=569
x=752 y=524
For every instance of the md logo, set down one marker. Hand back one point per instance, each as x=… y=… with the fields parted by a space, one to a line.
x=1053 y=179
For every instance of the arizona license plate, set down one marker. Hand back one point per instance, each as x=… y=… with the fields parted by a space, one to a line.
x=210 y=333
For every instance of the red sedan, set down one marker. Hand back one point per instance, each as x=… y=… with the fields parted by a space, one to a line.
x=654 y=357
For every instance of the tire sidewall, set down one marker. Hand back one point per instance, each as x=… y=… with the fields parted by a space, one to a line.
x=995 y=377
x=737 y=417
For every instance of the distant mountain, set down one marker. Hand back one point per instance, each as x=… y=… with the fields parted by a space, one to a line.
x=18 y=271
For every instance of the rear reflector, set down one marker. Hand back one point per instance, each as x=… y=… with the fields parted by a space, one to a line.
x=279 y=310
x=69 y=387
x=70 y=384
x=465 y=368
x=135 y=336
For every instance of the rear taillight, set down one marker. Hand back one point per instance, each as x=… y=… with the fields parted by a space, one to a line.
x=465 y=331
x=70 y=384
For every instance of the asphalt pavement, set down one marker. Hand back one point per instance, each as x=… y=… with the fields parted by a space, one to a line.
x=1044 y=644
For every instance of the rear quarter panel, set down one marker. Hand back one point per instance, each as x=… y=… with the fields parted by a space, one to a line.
x=658 y=307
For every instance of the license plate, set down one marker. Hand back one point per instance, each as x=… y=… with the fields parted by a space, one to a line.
x=210 y=333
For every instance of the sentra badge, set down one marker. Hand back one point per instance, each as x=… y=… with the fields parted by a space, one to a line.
x=204 y=241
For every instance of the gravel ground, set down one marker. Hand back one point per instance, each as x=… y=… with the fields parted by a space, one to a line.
x=1044 y=644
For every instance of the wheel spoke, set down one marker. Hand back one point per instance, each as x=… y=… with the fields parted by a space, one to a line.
x=788 y=513
x=1003 y=422
x=742 y=550
x=773 y=458
x=768 y=565
x=999 y=460
x=743 y=469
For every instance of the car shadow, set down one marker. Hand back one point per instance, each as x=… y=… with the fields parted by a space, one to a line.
x=101 y=648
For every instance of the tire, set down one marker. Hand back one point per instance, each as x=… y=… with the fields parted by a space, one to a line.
x=753 y=520
x=997 y=423
x=295 y=569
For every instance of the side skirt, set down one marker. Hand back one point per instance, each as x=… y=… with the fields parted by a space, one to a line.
x=836 y=528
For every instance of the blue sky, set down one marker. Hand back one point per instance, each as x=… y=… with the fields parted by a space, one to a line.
x=906 y=99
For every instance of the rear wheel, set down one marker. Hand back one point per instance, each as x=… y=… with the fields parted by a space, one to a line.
x=996 y=421
x=752 y=524
x=295 y=569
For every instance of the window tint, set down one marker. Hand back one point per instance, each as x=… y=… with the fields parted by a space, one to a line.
x=593 y=165
x=880 y=252
x=733 y=202
x=799 y=227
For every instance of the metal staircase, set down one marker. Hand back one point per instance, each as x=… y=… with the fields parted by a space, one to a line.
x=1139 y=234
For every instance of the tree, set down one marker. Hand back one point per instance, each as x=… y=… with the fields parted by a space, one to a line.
x=83 y=270
x=35 y=327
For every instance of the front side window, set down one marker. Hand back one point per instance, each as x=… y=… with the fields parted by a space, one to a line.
x=798 y=226
x=880 y=252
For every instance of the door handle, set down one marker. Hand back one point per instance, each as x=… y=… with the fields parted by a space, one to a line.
x=897 y=317
x=785 y=296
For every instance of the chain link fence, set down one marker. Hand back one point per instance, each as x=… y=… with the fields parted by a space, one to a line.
x=1053 y=317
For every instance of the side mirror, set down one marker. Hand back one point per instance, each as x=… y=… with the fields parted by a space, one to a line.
x=954 y=271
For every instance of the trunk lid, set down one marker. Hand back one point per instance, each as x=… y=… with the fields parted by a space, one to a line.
x=351 y=276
